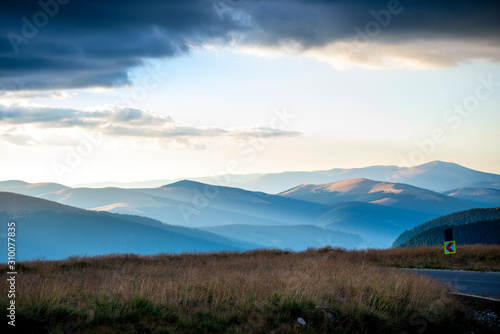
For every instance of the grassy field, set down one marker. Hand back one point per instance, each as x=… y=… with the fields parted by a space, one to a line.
x=467 y=257
x=266 y=291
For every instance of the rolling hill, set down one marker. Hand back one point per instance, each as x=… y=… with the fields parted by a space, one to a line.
x=49 y=230
x=477 y=197
x=442 y=176
x=105 y=199
x=193 y=204
x=484 y=232
x=30 y=189
x=235 y=201
x=395 y=195
x=377 y=211
x=454 y=219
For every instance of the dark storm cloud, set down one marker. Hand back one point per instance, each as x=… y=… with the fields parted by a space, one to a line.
x=317 y=22
x=94 y=43
x=83 y=43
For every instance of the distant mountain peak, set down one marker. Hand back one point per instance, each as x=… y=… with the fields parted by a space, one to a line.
x=184 y=184
x=13 y=183
x=338 y=186
x=45 y=184
x=375 y=192
x=439 y=163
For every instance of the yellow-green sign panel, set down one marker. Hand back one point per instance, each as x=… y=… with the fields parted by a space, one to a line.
x=449 y=247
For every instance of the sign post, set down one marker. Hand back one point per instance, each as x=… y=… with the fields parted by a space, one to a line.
x=449 y=243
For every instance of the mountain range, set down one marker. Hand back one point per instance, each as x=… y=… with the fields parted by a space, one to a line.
x=354 y=212
x=377 y=211
x=437 y=176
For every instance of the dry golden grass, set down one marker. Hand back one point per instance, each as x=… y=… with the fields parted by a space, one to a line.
x=467 y=257
x=250 y=292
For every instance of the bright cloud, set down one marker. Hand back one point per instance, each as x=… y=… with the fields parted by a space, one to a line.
x=24 y=125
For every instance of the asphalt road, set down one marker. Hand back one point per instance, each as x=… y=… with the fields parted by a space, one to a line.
x=469 y=282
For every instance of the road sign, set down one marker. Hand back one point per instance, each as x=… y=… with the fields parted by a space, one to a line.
x=448 y=234
x=449 y=247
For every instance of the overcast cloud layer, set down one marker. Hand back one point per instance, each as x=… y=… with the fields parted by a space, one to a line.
x=89 y=43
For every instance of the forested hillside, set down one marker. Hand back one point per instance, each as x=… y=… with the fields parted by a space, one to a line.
x=485 y=232
x=456 y=218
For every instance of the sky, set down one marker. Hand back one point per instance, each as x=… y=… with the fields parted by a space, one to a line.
x=95 y=91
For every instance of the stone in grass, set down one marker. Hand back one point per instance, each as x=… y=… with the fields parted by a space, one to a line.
x=302 y=322
x=329 y=313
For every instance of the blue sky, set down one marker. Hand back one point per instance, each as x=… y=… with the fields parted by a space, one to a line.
x=259 y=101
